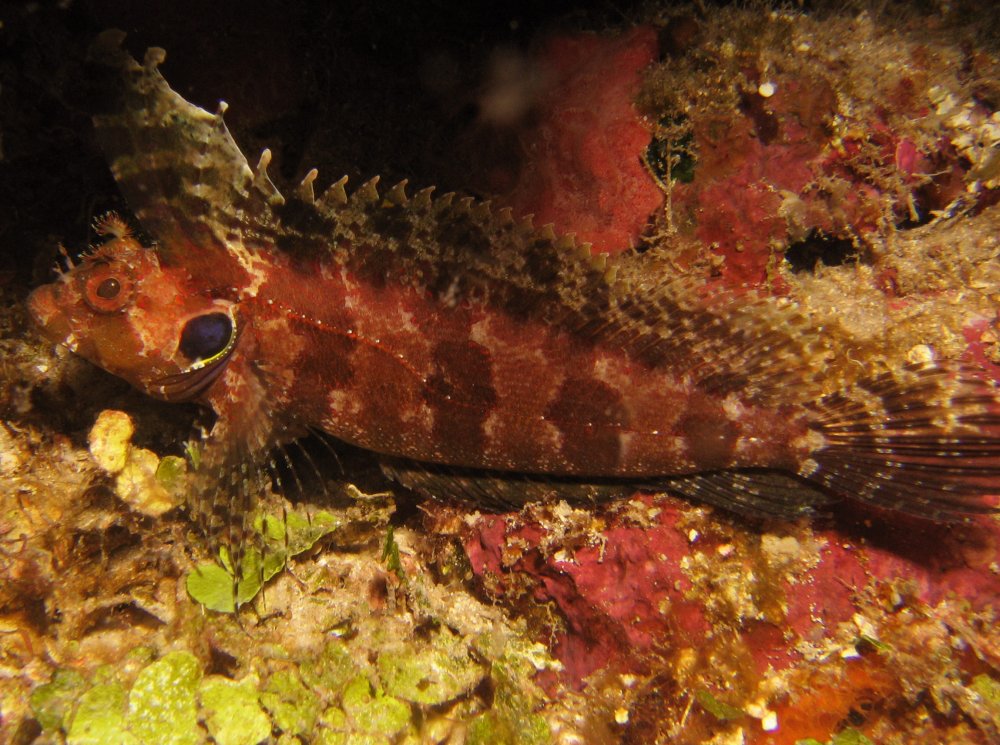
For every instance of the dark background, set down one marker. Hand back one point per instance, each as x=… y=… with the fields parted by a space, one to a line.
x=362 y=88
x=356 y=88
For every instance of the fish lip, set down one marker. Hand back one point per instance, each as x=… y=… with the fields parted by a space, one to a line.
x=44 y=307
x=35 y=301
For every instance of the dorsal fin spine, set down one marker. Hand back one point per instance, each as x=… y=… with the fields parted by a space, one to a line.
x=482 y=210
x=397 y=194
x=422 y=199
x=305 y=189
x=367 y=193
x=335 y=195
x=262 y=182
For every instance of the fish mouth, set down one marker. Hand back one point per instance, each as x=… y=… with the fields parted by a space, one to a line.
x=44 y=308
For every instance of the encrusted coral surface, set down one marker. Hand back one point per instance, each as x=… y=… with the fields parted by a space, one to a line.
x=841 y=158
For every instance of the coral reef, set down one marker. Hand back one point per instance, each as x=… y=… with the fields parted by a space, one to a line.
x=840 y=158
x=582 y=168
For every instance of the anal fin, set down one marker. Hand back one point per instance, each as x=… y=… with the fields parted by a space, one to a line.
x=751 y=492
x=755 y=493
x=498 y=491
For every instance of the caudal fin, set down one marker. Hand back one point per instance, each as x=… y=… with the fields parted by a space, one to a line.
x=924 y=440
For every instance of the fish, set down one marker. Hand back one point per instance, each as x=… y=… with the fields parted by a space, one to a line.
x=479 y=356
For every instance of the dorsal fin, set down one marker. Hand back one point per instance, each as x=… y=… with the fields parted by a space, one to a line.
x=176 y=163
x=724 y=341
x=730 y=341
x=192 y=187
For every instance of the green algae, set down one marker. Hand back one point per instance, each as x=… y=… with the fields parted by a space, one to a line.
x=670 y=155
x=294 y=707
x=171 y=471
x=212 y=583
x=989 y=689
x=390 y=554
x=162 y=705
x=53 y=701
x=303 y=531
x=100 y=718
x=333 y=669
x=849 y=736
x=440 y=672
x=232 y=711
x=718 y=709
x=374 y=712
x=212 y=586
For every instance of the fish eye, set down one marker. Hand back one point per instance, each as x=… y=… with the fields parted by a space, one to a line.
x=107 y=288
x=206 y=337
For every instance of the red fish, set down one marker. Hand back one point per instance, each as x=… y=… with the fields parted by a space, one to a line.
x=479 y=355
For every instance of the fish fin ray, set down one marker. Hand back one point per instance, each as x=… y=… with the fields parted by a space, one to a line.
x=177 y=164
x=924 y=440
x=751 y=492
x=497 y=491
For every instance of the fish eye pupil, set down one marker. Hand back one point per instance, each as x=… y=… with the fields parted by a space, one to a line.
x=109 y=288
x=206 y=336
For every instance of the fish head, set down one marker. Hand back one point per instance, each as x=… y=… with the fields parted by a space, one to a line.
x=119 y=308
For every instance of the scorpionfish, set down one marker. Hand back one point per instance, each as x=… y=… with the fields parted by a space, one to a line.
x=478 y=355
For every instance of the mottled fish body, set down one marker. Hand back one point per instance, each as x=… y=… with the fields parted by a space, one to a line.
x=480 y=355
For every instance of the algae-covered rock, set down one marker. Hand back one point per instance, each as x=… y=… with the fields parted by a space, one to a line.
x=161 y=706
x=374 y=712
x=99 y=718
x=332 y=737
x=989 y=689
x=232 y=711
x=110 y=440
x=144 y=482
x=331 y=670
x=512 y=720
x=294 y=707
x=442 y=671
x=138 y=485
x=51 y=702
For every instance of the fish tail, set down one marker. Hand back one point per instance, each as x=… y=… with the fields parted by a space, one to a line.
x=924 y=440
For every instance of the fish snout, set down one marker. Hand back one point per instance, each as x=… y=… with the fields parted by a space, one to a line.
x=45 y=306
